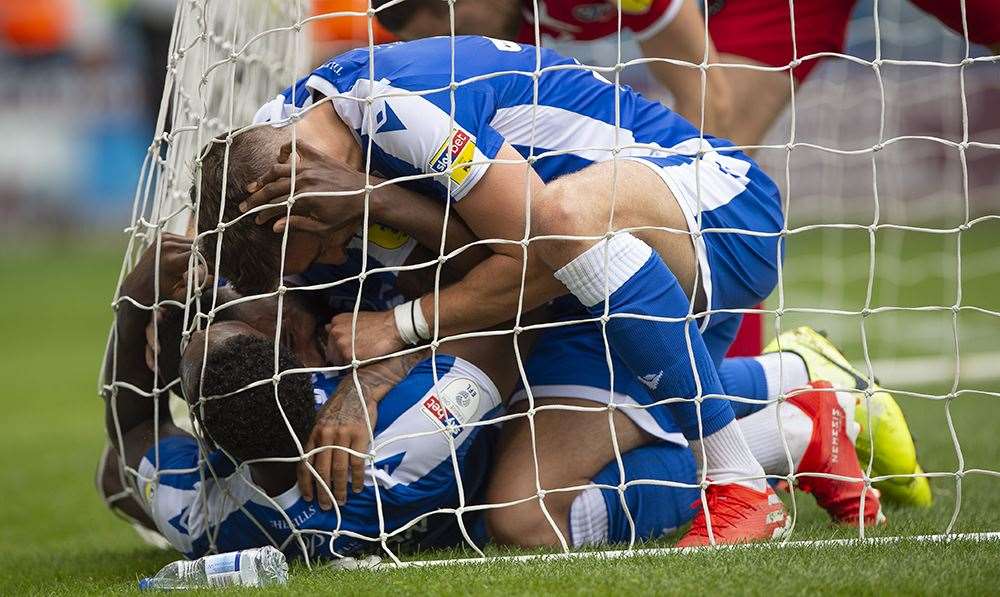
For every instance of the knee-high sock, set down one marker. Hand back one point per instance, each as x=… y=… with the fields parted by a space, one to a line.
x=598 y=516
x=670 y=358
x=765 y=440
x=761 y=378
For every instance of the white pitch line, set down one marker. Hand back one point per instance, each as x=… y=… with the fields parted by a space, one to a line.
x=673 y=551
x=910 y=371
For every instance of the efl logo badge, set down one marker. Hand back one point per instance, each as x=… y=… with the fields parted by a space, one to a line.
x=437 y=411
x=461 y=398
x=463 y=148
x=386 y=237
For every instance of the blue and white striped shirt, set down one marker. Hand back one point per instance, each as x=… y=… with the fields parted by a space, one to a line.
x=400 y=99
x=196 y=502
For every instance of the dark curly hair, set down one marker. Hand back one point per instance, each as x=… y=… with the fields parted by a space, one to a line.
x=250 y=256
x=248 y=424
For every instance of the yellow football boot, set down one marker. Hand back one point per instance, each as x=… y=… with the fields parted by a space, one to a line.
x=895 y=453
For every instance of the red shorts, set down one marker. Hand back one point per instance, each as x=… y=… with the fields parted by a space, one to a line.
x=761 y=29
x=983 y=18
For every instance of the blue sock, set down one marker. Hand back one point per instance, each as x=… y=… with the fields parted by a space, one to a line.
x=598 y=516
x=744 y=377
x=640 y=283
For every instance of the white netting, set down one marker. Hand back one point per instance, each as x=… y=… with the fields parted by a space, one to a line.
x=928 y=97
x=855 y=178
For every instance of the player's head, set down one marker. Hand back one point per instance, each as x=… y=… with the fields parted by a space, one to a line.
x=246 y=422
x=415 y=19
x=302 y=332
x=250 y=255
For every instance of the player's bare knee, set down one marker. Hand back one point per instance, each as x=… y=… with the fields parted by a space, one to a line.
x=514 y=524
x=554 y=212
x=523 y=525
x=565 y=207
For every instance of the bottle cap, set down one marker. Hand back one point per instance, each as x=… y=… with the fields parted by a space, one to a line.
x=145 y=583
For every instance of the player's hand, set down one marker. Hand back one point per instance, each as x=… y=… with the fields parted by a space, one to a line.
x=315 y=172
x=341 y=422
x=152 y=339
x=174 y=258
x=164 y=357
x=376 y=336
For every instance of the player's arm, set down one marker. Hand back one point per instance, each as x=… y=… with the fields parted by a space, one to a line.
x=488 y=295
x=343 y=422
x=494 y=278
x=392 y=205
x=134 y=417
x=685 y=38
x=423 y=218
x=485 y=297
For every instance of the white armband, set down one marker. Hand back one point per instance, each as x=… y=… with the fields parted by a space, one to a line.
x=411 y=323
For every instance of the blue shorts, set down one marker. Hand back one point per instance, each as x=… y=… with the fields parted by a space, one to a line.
x=736 y=271
x=570 y=362
x=736 y=209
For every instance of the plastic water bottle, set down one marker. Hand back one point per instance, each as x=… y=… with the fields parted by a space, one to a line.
x=248 y=568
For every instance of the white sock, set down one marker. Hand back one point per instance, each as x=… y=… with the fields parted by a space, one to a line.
x=761 y=431
x=609 y=262
x=588 y=519
x=729 y=457
x=784 y=372
x=848 y=402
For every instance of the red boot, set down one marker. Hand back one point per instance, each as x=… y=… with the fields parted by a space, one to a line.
x=831 y=452
x=739 y=515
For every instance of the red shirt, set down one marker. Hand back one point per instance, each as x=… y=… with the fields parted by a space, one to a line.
x=584 y=20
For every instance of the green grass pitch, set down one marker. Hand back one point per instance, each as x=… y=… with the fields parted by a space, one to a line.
x=57 y=538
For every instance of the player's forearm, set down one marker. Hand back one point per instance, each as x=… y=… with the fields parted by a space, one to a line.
x=423 y=219
x=377 y=379
x=132 y=393
x=685 y=39
x=126 y=361
x=125 y=408
x=489 y=294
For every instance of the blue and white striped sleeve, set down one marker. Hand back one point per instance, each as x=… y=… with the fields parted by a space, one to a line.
x=169 y=494
x=421 y=133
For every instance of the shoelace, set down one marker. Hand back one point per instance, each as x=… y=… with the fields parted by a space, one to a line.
x=724 y=509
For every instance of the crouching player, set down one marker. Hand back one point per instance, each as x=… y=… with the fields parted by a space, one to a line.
x=586 y=453
x=433 y=444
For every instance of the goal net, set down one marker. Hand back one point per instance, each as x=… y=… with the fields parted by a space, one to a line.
x=899 y=155
x=886 y=159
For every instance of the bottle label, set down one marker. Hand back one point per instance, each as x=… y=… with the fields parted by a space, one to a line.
x=223 y=570
x=225 y=579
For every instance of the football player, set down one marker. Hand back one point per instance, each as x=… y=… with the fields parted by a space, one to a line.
x=674 y=287
x=433 y=443
x=740 y=103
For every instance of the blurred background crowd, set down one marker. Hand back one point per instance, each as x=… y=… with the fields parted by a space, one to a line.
x=81 y=88
x=82 y=81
